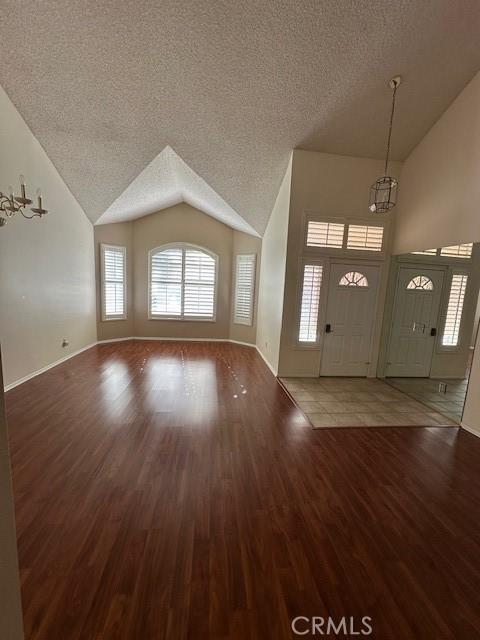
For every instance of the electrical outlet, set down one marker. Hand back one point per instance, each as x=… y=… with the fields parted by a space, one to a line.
x=442 y=387
x=65 y=342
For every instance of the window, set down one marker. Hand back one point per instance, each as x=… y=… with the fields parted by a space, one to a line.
x=458 y=251
x=312 y=281
x=325 y=234
x=425 y=252
x=420 y=282
x=244 y=289
x=183 y=282
x=353 y=279
x=454 y=310
x=113 y=266
x=365 y=238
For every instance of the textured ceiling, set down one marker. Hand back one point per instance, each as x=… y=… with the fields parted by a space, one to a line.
x=231 y=85
x=166 y=181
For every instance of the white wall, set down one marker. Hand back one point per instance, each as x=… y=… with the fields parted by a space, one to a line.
x=11 y=625
x=440 y=196
x=47 y=277
x=272 y=275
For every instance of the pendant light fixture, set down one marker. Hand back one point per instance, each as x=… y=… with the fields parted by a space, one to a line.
x=383 y=193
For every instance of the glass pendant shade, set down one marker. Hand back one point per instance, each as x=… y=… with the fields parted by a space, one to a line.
x=383 y=194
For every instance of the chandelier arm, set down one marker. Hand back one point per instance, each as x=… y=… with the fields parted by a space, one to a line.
x=34 y=215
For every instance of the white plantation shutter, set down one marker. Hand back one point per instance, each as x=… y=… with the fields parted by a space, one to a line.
x=325 y=234
x=365 y=237
x=166 y=273
x=457 y=251
x=312 y=281
x=454 y=310
x=244 y=289
x=199 y=291
x=182 y=283
x=113 y=265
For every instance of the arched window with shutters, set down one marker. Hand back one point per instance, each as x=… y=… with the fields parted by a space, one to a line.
x=182 y=282
x=420 y=283
x=353 y=279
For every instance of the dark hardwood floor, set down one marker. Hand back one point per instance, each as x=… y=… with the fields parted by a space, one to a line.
x=172 y=490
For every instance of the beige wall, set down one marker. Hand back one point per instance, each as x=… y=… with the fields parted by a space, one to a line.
x=330 y=186
x=181 y=223
x=439 y=186
x=439 y=197
x=243 y=243
x=120 y=234
x=272 y=275
x=11 y=625
x=47 y=277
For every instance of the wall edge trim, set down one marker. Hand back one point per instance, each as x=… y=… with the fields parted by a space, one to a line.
x=38 y=372
x=471 y=430
x=269 y=365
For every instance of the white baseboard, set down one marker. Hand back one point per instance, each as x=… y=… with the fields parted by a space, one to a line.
x=162 y=339
x=475 y=432
x=114 y=340
x=169 y=339
x=243 y=344
x=14 y=384
x=272 y=369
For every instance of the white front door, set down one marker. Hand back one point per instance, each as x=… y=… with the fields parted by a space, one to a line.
x=414 y=325
x=350 y=317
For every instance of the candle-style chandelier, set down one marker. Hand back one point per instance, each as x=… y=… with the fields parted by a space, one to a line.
x=383 y=193
x=12 y=204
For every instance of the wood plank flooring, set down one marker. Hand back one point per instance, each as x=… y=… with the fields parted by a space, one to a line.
x=172 y=490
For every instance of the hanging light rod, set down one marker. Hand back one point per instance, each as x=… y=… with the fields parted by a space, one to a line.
x=12 y=204
x=383 y=193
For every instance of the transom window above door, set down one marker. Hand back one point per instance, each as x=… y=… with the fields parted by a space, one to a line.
x=183 y=282
x=353 y=279
x=344 y=235
x=420 y=282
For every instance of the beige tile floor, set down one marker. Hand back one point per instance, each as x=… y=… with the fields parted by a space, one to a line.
x=426 y=390
x=360 y=402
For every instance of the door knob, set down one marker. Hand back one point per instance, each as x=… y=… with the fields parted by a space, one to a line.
x=328 y=328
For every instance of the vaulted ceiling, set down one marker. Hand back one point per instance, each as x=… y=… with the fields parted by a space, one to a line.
x=232 y=86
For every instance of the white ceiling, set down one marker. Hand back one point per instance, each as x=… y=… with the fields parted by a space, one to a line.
x=231 y=85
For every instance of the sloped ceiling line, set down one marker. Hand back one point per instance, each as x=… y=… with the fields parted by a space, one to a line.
x=167 y=181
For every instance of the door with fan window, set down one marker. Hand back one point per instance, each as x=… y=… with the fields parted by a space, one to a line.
x=350 y=318
x=415 y=322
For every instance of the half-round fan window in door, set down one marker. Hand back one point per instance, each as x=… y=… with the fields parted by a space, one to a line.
x=353 y=279
x=422 y=283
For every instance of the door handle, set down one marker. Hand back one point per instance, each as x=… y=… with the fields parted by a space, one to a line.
x=433 y=331
x=328 y=328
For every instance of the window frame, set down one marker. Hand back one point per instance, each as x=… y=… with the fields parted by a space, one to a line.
x=344 y=251
x=253 y=258
x=461 y=329
x=182 y=318
x=320 y=311
x=111 y=317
